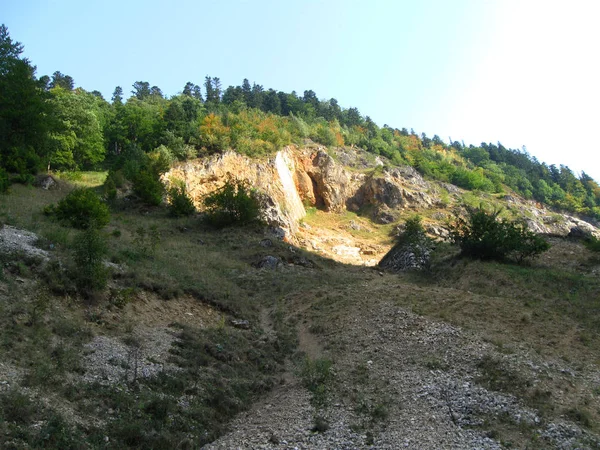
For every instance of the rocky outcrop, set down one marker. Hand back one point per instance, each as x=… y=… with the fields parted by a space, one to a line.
x=541 y=220
x=344 y=179
x=281 y=204
x=323 y=182
x=407 y=256
x=393 y=189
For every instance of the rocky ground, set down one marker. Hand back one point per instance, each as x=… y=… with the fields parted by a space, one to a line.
x=401 y=380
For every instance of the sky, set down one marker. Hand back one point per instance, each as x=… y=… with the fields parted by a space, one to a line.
x=521 y=72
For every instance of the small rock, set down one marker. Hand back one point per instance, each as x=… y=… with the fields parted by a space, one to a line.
x=47 y=183
x=268 y=262
x=239 y=323
x=266 y=243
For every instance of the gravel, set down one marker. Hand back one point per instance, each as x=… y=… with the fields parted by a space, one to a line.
x=425 y=372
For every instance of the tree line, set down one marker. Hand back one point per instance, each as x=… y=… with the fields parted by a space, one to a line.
x=48 y=124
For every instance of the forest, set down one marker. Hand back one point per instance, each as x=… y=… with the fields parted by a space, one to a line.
x=46 y=124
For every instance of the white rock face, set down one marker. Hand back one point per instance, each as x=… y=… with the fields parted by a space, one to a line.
x=293 y=202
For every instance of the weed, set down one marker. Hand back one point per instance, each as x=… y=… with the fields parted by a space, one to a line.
x=579 y=415
x=146 y=241
x=316 y=375
x=497 y=377
x=320 y=424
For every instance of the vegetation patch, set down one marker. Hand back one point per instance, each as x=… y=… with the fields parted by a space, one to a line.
x=235 y=203
x=483 y=235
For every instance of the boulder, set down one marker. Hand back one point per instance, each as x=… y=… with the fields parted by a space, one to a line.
x=407 y=256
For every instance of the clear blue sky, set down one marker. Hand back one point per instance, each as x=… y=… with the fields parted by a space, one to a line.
x=522 y=72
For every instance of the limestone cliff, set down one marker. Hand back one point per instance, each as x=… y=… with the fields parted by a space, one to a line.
x=343 y=179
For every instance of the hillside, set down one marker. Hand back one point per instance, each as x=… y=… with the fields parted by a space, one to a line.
x=197 y=325
x=205 y=271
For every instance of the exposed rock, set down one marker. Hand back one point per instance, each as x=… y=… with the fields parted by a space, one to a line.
x=451 y=188
x=385 y=216
x=345 y=250
x=579 y=233
x=332 y=184
x=295 y=177
x=397 y=188
x=240 y=323
x=268 y=262
x=13 y=240
x=302 y=261
x=281 y=205
x=437 y=231
x=47 y=182
x=266 y=243
x=407 y=256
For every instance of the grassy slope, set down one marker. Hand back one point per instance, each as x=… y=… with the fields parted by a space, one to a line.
x=550 y=308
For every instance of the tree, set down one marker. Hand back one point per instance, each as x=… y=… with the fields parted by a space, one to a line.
x=256 y=97
x=9 y=50
x=247 y=91
x=232 y=95
x=156 y=92
x=217 y=89
x=78 y=138
x=25 y=116
x=198 y=93
x=271 y=102
x=351 y=117
x=188 y=89
x=208 y=88
x=44 y=83
x=117 y=97
x=60 y=80
x=235 y=203
x=141 y=90
x=212 y=88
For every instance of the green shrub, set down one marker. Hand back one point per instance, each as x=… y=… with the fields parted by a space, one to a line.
x=483 y=235
x=109 y=189
x=83 y=209
x=90 y=273
x=413 y=231
x=4 y=181
x=592 y=243
x=180 y=203
x=148 y=187
x=146 y=241
x=233 y=204
x=114 y=181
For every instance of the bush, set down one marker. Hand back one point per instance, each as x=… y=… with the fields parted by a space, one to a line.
x=148 y=187
x=180 y=203
x=483 y=235
x=4 y=181
x=115 y=180
x=413 y=231
x=592 y=243
x=83 y=209
x=90 y=273
x=233 y=204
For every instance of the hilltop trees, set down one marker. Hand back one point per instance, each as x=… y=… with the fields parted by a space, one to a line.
x=24 y=113
x=76 y=141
